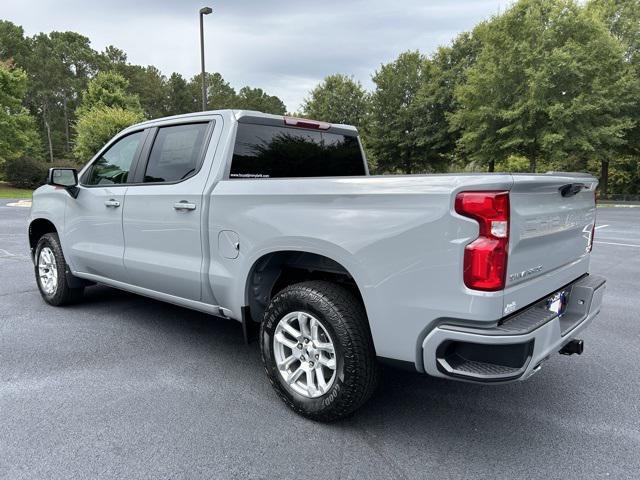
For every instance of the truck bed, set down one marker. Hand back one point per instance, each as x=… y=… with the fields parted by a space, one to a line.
x=403 y=243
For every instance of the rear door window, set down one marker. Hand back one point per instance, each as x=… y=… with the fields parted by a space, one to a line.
x=176 y=153
x=264 y=151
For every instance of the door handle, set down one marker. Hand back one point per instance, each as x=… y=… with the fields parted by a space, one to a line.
x=112 y=203
x=184 y=205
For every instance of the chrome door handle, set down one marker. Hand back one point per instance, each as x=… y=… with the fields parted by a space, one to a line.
x=184 y=205
x=112 y=203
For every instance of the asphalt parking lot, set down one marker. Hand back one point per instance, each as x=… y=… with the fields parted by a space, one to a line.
x=121 y=386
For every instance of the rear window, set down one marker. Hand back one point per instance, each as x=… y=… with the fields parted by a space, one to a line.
x=263 y=151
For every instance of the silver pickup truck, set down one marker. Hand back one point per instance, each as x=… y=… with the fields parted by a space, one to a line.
x=276 y=223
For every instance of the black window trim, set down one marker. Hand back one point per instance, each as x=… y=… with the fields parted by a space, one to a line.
x=105 y=149
x=141 y=165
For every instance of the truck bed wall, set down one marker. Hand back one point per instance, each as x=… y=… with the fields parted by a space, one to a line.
x=397 y=236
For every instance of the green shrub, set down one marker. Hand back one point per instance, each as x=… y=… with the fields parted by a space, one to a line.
x=97 y=126
x=25 y=172
x=513 y=163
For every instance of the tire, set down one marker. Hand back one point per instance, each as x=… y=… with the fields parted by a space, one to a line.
x=56 y=291
x=340 y=321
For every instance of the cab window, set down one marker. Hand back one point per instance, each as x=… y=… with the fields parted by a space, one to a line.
x=176 y=153
x=113 y=166
x=265 y=151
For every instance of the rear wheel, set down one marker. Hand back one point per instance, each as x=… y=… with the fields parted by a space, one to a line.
x=317 y=350
x=51 y=272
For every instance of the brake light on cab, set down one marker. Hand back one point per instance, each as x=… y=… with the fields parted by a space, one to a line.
x=485 y=259
x=304 y=123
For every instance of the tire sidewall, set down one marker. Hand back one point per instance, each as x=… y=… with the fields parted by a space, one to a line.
x=287 y=302
x=50 y=241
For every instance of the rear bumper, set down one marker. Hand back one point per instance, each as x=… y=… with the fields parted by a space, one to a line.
x=516 y=347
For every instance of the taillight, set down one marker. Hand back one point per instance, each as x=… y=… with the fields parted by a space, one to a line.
x=485 y=259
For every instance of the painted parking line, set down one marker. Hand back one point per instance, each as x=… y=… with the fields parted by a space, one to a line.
x=601 y=226
x=619 y=244
x=20 y=203
x=7 y=254
x=615 y=205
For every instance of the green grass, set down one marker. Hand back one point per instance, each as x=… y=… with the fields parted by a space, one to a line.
x=7 y=191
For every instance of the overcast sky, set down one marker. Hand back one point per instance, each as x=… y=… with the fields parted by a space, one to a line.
x=283 y=46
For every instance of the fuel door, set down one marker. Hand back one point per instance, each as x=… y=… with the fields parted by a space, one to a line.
x=228 y=244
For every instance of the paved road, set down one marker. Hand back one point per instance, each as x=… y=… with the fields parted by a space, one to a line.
x=125 y=387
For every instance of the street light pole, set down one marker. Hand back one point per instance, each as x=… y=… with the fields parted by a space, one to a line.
x=203 y=11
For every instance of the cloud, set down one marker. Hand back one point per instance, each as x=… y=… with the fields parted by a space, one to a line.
x=284 y=47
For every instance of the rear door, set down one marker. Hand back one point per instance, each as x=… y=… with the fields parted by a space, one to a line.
x=552 y=218
x=163 y=211
x=93 y=235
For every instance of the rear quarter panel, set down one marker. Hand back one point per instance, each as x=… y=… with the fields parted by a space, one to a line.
x=396 y=235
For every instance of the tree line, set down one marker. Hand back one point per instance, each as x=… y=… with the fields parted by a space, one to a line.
x=56 y=78
x=546 y=85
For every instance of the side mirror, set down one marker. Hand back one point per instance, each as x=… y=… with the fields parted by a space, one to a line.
x=66 y=178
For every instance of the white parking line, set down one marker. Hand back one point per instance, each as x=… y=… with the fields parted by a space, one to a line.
x=20 y=203
x=7 y=254
x=601 y=226
x=620 y=244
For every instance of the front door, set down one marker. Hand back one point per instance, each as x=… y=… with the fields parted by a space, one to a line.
x=93 y=236
x=163 y=212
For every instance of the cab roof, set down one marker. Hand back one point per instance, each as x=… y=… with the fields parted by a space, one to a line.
x=255 y=117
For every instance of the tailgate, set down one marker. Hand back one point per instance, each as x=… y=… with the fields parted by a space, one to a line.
x=552 y=217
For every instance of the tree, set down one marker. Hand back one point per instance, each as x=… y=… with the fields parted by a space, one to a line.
x=392 y=130
x=549 y=84
x=97 y=126
x=337 y=99
x=220 y=94
x=149 y=85
x=77 y=62
x=58 y=66
x=18 y=133
x=436 y=102
x=44 y=84
x=112 y=58
x=13 y=45
x=625 y=175
x=179 y=99
x=106 y=109
x=622 y=19
x=108 y=89
x=257 y=99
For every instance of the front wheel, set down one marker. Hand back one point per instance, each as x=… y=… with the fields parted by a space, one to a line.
x=50 y=269
x=317 y=350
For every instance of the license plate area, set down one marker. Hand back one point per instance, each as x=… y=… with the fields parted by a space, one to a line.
x=557 y=303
